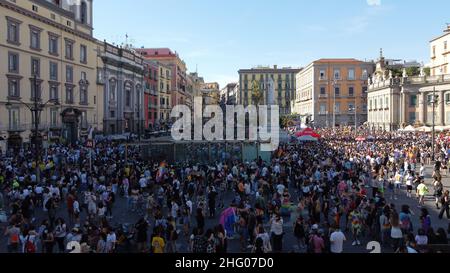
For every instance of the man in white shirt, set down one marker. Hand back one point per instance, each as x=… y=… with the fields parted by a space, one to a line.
x=337 y=239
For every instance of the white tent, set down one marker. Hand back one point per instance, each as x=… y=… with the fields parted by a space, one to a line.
x=425 y=129
x=408 y=129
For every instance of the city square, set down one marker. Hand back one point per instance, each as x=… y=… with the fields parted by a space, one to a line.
x=110 y=147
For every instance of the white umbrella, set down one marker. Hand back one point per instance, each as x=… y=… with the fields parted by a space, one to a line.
x=307 y=138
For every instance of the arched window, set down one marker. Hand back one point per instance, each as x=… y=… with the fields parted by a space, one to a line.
x=83 y=12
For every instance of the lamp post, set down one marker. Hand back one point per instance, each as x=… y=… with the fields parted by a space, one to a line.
x=35 y=108
x=334 y=103
x=433 y=156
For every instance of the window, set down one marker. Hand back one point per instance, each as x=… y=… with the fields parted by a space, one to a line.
x=13 y=31
x=434 y=51
x=69 y=94
x=413 y=101
x=323 y=109
x=14 y=118
x=112 y=90
x=386 y=103
x=381 y=103
x=69 y=74
x=112 y=114
x=53 y=44
x=13 y=87
x=322 y=74
x=95 y=99
x=364 y=89
x=35 y=8
x=365 y=74
x=351 y=107
x=53 y=71
x=168 y=87
x=351 y=91
x=83 y=54
x=337 y=74
x=83 y=94
x=337 y=91
x=445 y=45
x=69 y=49
x=35 y=90
x=35 y=67
x=54 y=117
x=128 y=98
x=54 y=92
x=447 y=98
x=370 y=105
x=337 y=107
x=412 y=117
x=35 y=38
x=83 y=76
x=364 y=107
x=13 y=62
x=351 y=74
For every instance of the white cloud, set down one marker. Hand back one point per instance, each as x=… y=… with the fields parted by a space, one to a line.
x=374 y=2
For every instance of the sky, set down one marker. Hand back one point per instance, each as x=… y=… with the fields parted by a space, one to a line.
x=219 y=37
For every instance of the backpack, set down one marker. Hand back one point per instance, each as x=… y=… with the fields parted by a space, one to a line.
x=14 y=239
x=29 y=246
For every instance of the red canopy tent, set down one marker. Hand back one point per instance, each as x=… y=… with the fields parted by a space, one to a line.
x=307 y=132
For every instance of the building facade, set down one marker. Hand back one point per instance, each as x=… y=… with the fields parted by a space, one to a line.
x=178 y=86
x=151 y=93
x=396 y=101
x=123 y=77
x=52 y=42
x=229 y=93
x=210 y=93
x=284 y=80
x=164 y=93
x=328 y=82
x=440 y=54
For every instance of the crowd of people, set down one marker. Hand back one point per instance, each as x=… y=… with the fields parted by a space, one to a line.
x=321 y=193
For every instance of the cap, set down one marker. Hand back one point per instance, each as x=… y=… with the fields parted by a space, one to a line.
x=315 y=227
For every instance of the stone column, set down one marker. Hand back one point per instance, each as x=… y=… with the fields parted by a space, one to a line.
x=422 y=108
x=441 y=108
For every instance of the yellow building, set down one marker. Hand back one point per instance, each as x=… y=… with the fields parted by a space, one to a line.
x=164 y=92
x=284 y=86
x=53 y=41
x=210 y=92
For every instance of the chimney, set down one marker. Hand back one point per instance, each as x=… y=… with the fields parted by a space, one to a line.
x=275 y=67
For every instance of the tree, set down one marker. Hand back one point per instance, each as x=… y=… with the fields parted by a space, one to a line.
x=412 y=71
x=427 y=71
x=257 y=95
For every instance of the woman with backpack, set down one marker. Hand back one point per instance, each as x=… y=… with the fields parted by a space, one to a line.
x=29 y=240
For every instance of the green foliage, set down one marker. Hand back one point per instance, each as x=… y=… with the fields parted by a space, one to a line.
x=412 y=71
x=427 y=71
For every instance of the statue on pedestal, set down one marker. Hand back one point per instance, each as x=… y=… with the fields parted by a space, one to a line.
x=405 y=74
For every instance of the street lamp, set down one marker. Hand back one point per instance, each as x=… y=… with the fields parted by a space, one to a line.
x=36 y=108
x=334 y=103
